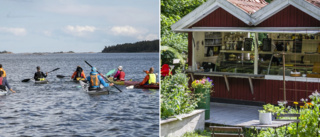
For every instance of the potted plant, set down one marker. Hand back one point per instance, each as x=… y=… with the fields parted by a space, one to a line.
x=202 y=89
x=265 y=115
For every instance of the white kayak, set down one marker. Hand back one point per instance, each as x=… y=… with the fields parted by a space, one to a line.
x=41 y=82
x=85 y=87
x=3 y=92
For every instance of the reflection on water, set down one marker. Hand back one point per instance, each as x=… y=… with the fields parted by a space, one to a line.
x=62 y=108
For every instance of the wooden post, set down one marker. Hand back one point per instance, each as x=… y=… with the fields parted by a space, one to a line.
x=256 y=54
x=284 y=76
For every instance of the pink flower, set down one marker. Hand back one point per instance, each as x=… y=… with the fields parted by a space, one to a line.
x=197 y=81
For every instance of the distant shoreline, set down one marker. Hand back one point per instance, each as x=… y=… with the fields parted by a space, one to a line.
x=42 y=53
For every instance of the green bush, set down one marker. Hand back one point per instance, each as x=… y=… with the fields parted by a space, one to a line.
x=309 y=120
x=176 y=97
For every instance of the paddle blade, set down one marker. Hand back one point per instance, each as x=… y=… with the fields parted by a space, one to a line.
x=60 y=76
x=110 y=72
x=130 y=87
x=25 y=80
x=56 y=69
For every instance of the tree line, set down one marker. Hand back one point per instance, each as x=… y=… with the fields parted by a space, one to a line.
x=141 y=46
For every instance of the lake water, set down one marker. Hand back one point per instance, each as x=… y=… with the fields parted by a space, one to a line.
x=62 y=108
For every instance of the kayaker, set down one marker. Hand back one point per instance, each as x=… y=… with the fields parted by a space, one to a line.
x=78 y=74
x=4 y=83
x=39 y=75
x=150 y=78
x=165 y=70
x=95 y=80
x=119 y=75
x=4 y=72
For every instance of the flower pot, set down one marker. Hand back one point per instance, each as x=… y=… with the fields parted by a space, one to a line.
x=265 y=118
x=205 y=102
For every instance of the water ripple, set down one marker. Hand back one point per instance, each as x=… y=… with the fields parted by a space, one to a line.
x=61 y=108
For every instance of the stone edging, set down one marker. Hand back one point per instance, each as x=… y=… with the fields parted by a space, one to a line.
x=171 y=119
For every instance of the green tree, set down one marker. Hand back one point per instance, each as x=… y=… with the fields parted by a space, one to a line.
x=171 y=12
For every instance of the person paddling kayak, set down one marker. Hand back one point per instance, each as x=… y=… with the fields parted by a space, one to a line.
x=78 y=74
x=39 y=75
x=4 y=72
x=119 y=75
x=150 y=78
x=4 y=83
x=95 y=80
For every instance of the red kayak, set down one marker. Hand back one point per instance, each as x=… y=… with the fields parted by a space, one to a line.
x=152 y=86
x=136 y=85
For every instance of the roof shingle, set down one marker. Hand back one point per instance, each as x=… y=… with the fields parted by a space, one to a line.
x=314 y=2
x=249 y=6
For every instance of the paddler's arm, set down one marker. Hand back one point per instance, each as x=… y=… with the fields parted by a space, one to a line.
x=74 y=74
x=8 y=86
x=45 y=75
x=103 y=82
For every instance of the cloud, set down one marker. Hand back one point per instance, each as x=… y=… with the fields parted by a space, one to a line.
x=79 y=30
x=14 y=31
x=151 y=37
x=138 y=33
x=47 y=33
x=125 y=30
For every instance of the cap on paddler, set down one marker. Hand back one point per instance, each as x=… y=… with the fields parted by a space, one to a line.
x=120 y=67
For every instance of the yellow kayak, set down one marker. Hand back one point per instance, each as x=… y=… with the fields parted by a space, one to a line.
x=116 y=82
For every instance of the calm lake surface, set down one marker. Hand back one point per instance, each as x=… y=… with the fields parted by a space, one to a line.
x=62 y=108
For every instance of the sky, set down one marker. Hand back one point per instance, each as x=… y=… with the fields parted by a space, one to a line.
x=28 y=26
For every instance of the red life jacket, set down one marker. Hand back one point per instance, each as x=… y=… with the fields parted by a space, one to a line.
x=3 y=87
x=122 y=75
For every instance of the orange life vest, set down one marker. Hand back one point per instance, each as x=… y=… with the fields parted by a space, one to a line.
x=94 y=81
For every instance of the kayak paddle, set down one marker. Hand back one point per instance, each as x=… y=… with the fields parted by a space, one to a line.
x=104 y=77
x=61 y=76
x=110 y=72
x=27 y=80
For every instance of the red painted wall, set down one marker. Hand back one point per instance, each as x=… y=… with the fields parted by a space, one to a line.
x=290 y=17
x=220 y=18
x=268 y=91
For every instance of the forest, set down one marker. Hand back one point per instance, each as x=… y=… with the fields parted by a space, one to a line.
x=141 y=46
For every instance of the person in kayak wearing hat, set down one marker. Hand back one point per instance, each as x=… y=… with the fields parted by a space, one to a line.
x=4 y=83
x=119 y=75
x=4 y=72
x=39 y=75
x=150 y=78
x=95 y=80
x=78 y=74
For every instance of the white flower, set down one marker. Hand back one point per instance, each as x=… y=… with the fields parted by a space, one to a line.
x=302 y=99
x=306 y=99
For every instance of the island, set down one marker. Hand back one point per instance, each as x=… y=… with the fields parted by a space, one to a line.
x=141 y=46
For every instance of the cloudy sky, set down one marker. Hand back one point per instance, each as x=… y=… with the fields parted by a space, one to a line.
x=75 y=25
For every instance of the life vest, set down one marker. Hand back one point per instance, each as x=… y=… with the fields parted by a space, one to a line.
x=3 y=87
x=78 y=76
x=4 y=72
x=152 y=79
x=122 y=75
x=94 y=80
x=40 y=77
